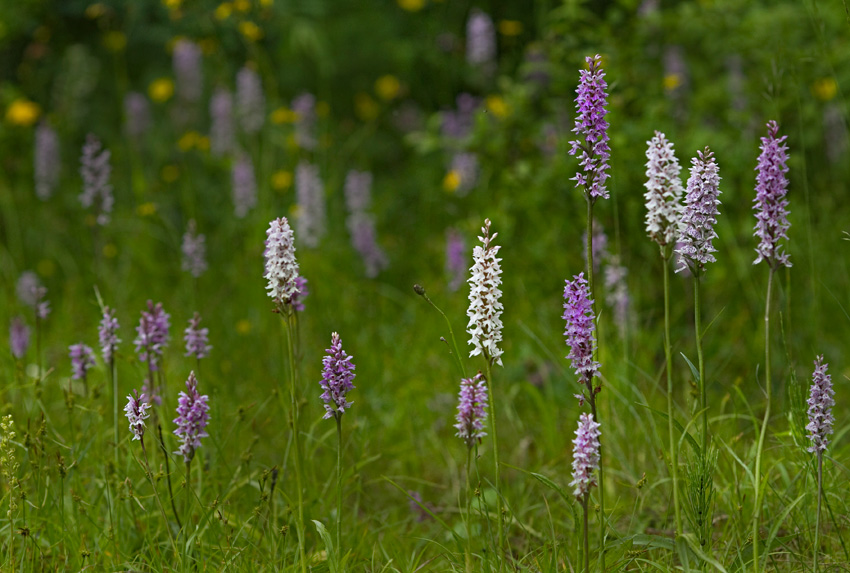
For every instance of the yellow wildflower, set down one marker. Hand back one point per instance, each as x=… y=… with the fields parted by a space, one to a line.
x=243 y=326
x=250 y=30
x=387 y=87
x=202 y=143
x=825 y=89
x=208 y=46
x=322 y=109
x=22 y=112
x=161 y=89
x=242 y=5
x=411 y=5
x=46 y=267
x=281 y=180
x=110 y=251
x=188 y=140
x=451 y=181
x=223 y=11
x=283 y=115
x=510 y=27
x=497 y=106
x=365 y=107
x=114 y=41
x=170 y=173
x=172 y=4
x=146 y=209
x=95 y=11
x=672 y=81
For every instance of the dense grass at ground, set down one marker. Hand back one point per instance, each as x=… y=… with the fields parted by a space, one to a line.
x=385 y=77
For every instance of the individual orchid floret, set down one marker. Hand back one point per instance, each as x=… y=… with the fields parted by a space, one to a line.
x=196 y=338
x=820 y=403
x=192 y=417
x=472 y=410
x=108 y=335
x=137 y=412
x=337 y=379
x=194 y=250
x=578 y=313
x=592 y=131
x=485 y=306
x=700 y=214
x=153 y=335
x=82 y=360
x=281 y=266
x=585 y=455
x=770 y=204
x=663 y=191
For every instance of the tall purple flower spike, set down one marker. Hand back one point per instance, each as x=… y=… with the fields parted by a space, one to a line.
x=578 y=313
x=770 y=205
x=152 y=335
x=820 y=403
x=281 y=265
x=196 y=338
x=108 y=335
x=46 y=162
x=19 y=337
x=82 y=360
x=472 y=410
x=337 y=379
x=192 y=417
x=591 y=146
x=485 y=307
x=194 y=249
x=585 y=455
x=137 y=412
x=95 y=170
x=700 y=214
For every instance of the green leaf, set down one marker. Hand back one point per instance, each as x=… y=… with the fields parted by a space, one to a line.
x=694 y=370
x=333 y=558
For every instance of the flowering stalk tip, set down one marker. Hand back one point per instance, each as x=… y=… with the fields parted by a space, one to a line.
x=337 y=379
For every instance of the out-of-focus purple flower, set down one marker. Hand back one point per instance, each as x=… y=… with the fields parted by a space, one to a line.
x=536 y=66
x=29 y=289
x=362 y=229
x=244 y=186
x=137 y=412
x=95 y=170
x=298 y=297
x=311 y=204
x=197 y=338
x=19 y=337
x=358 y=191
x=820 y=403
x=485 y=306
x=304 y=107
x=465 y=165
x=663 y=191
x=137 y=114
x=770 y=204
x=416 y=509
x=42 y=311
x=480 y=41
x=250 y=100
x=455 y=259
x=108 y=335
x=222 y=132
x=46 y=161
x=194 y=251
x=578 y=313
x=281 y=265
x=617 y=292
x=585 y=455
x=472 y=410
x=700 y=213
x=153 y=335
x=186 y=62
x=598 y=245
x=457 y=123
x=193 y=413
x=337 y=379
x=82 y=360
x=675 y=71
x=592 y=131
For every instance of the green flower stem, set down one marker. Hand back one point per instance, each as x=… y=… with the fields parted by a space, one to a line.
x=698 y=330
x=499 y=528
x=113 y=374
x=592 y=396
x=149 y=475
x=584 y=504
x=668 y=353
x=817 y=518
x=295 y=438
x=469 y=568
x=451 y=333
x=339 y=484
x=757 y=484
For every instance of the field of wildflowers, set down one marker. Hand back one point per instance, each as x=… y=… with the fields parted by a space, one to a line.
x=424 y=285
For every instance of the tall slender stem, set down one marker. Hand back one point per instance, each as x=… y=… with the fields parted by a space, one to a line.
x=820 y=497
x=296 y=440
x=114 y=375
x=468 y=511
x=499 y=529
x=149 y=475
x=592 y=397
x=702 y=395
x=339 y=484
x=668 y=353
x=586 y=536
x=757 y=484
